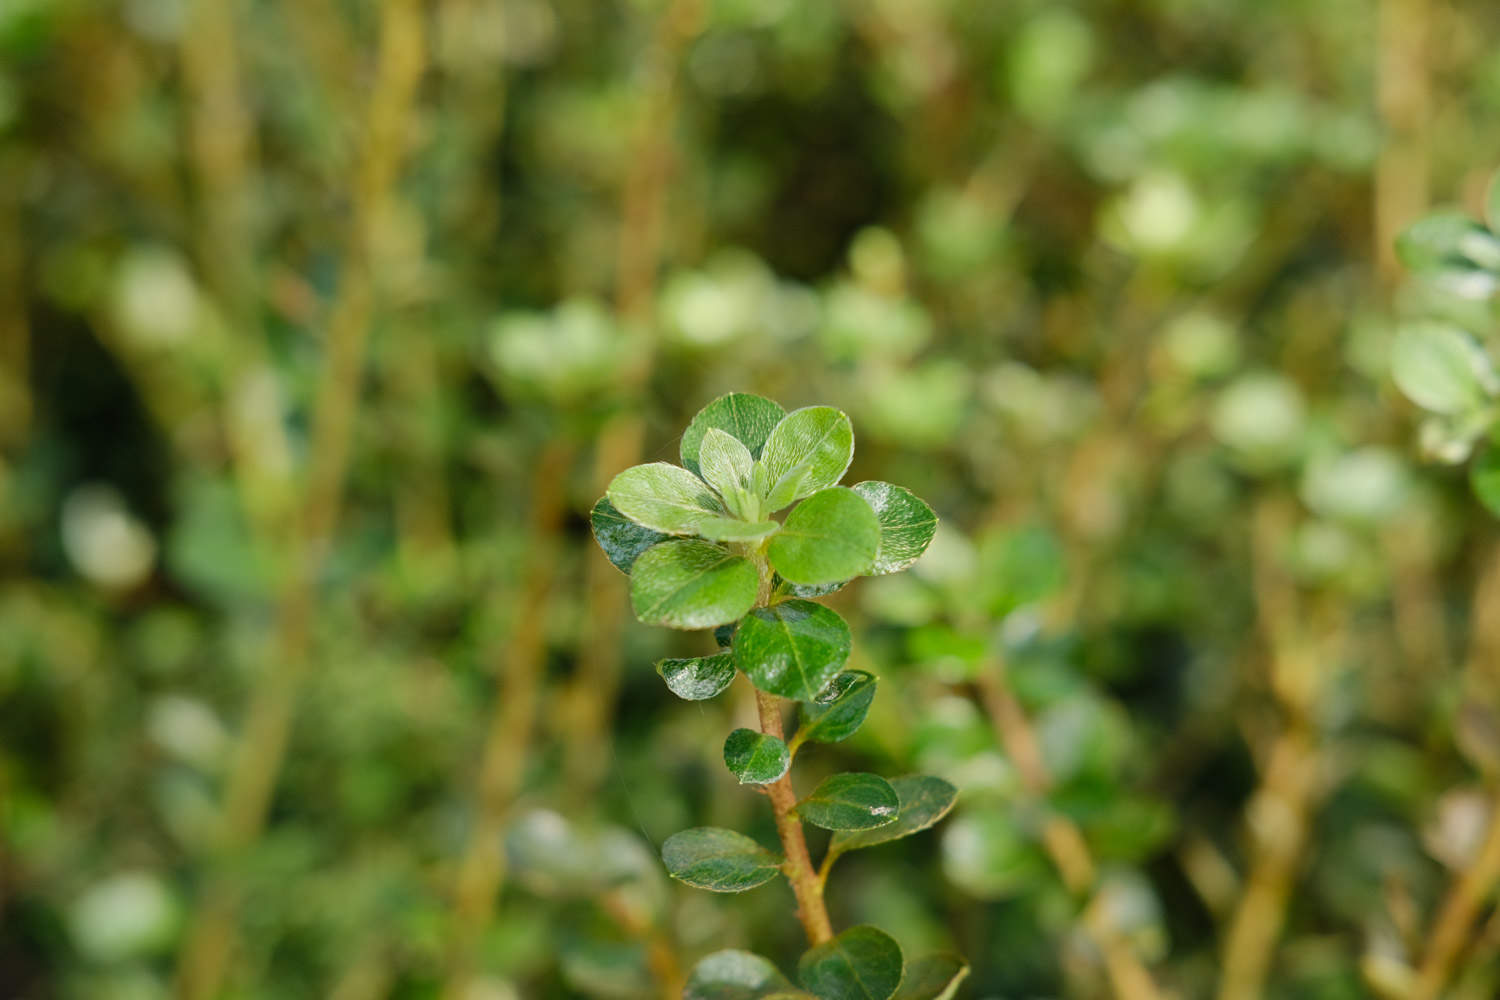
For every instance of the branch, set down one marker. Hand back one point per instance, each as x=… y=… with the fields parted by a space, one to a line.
x=806 y=885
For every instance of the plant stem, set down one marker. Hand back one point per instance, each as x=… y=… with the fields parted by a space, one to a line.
x=806 y=885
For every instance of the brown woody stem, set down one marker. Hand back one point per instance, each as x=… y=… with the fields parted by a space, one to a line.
x=806 y=885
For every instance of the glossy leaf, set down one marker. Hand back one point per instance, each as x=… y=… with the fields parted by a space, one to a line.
x=664 y=498
x=718 y=860
x=924 y=800
x=756 y=758
x=729 y=529
x=735 y=975
x=792 y=649
x=748 y=418
x=697 y=679
x=932 y=977
x=621 y=538
x=863 y=963
x=725 y=464
x=687 y=583
x=831 y=536
x=1484 y=479
x=1441 y=368
x=809 y=590
x=839 y=710
x=907 y=525
x=851 y=802
x=818 y=441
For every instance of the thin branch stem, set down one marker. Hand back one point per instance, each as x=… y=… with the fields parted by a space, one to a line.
x=806 y=884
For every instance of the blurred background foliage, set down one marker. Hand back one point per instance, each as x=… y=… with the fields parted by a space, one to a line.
x=323 y=323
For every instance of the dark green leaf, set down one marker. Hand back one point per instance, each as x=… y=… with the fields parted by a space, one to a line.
x=755 y=758
x=734 y=975
x=811 y=447
x=718 y=860
x=746 y=417
x=924 y=800
x=851 y=802
x=840 y=708
x=620 y=538
x=1484 y=479
x=729 y=529
x=692 y=584
x=932 y=977
x=792 y=649
x=863 y=963
x=832 y=535
x=700 y=678
x=907 y=525
x=664 y=498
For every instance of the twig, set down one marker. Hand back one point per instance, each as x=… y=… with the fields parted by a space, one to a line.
x=262 y=747
x=1474 y=886
x=806 y=885
x=1404 y=96
x=518 y=673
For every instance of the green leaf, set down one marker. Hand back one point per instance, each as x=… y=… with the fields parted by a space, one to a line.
x=726 y=464
x=664 y=498
x=819 y=441
x=697 y=679
x=620 y=538
x=932 y=977
x=756 y=758
x=808 y=590
x=1484 y=479
x=863 y=963
x=707 y=857
x=906 y=525
x=832 y=535
x=1444 y=238
x=746 y=417
x=924 y=800
x=792 y=649
x=735 y=975
x=1441 y=368
x=851 y=802
x=839 y=709
x=728 y=529
x=688 y=583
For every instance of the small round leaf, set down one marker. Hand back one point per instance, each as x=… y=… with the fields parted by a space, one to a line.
x=664 y=498
x=734 y=975
x=621 y=538
x=1441 y=368
x=718 y=860
x=906 y=525
x=832 y=535
x=851 y=802
x=840 y=708
x=813 y=446
x=724 y=462
x=792 y=649
x=756 y=758
x=688 y=583
x=746 y=417
x=697 y=679
x=924 y=800
x=863 y=963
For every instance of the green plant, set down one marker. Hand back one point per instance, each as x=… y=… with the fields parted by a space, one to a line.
x=703 y=550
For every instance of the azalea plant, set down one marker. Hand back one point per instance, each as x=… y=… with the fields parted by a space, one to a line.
x=704 y=550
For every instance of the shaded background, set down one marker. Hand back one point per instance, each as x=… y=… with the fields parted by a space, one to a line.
x=323 y=324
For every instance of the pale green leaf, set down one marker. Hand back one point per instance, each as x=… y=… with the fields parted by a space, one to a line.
x=718 y=860
x=792 y=649
x=831 y=536
x=1443 y=239
x=697 y=679
x=729 y=529
x=735 y=975
x=687 y=583
x=664 y=498
x=746 y=417
x=1441 y=368
x=923 y=799
x=756 y=758
x=621 y=538
x=851 y=802
x=819 y=441
x=932 y=977
x=725 y=463
x=863 y=963
x=906 y=525
x=839 y=709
